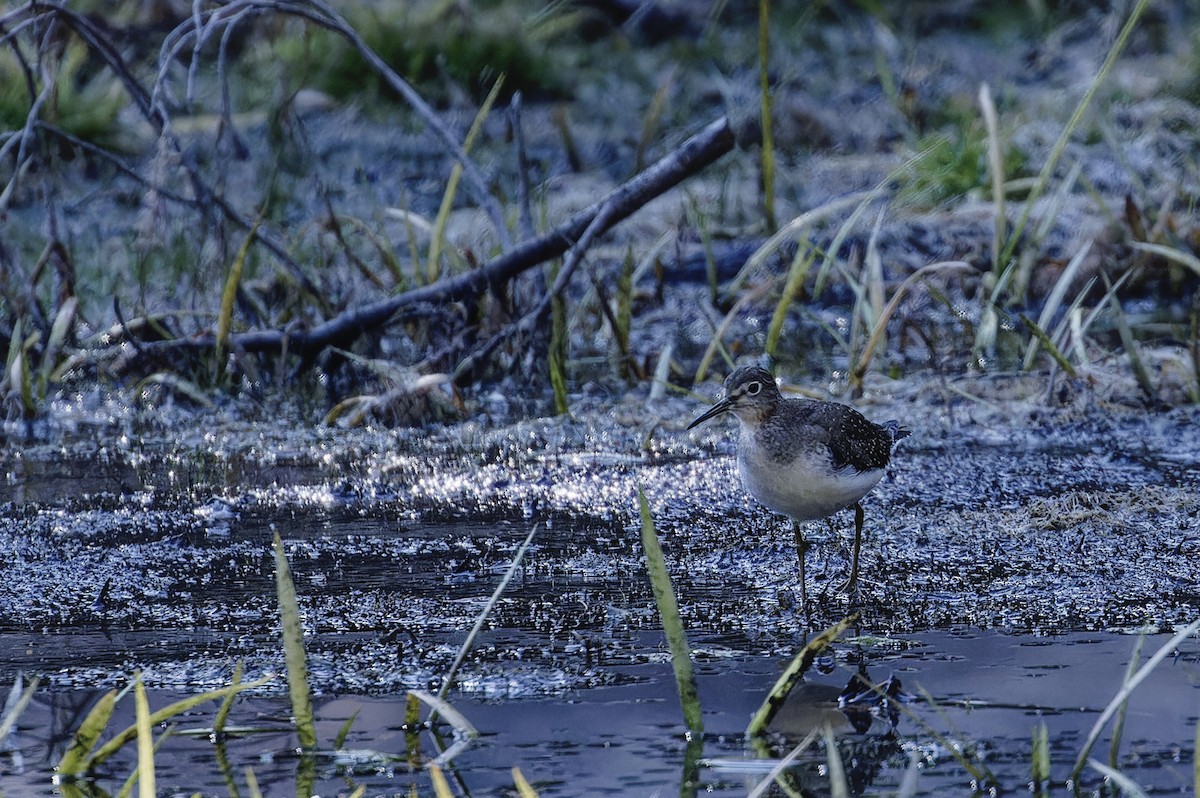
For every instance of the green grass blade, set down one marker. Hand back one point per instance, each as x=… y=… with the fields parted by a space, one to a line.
x=439 y=225
x=145 y=740
x=1043 y=178
x=293 y=649
x=73 y=761
x=339 y=742
x=227 y=704
x=1040 y=335
x=1125 y=692
x=797 y=273
x=1114 y=745
x=980 y=772
x=794 y=672
x=668 y=611
x=1039 y=759
x=1129 y=343
x=767 y=101
x=229 y=295
x=124 y=737
x=559 y=346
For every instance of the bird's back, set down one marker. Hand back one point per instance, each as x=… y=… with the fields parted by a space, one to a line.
x=852 y=440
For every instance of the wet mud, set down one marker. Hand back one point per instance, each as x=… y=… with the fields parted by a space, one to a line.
x=1009 y=520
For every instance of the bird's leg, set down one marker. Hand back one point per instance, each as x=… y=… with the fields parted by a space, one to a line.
x=852 y=582
x=801 y=550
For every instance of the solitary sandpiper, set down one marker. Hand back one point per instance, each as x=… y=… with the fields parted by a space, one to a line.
x=803 y=458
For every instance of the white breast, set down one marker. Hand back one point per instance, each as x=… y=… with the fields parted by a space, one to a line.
x=805 y=489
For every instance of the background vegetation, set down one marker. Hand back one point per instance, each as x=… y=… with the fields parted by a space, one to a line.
x=189 y=199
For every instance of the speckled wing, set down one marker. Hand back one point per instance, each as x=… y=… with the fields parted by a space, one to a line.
x=855 y=442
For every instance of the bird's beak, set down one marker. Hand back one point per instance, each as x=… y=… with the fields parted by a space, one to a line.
x=723 y=406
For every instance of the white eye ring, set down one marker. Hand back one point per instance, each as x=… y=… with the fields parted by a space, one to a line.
x=754 y=388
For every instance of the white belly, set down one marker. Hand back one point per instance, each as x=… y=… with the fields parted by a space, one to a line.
x=807 y=488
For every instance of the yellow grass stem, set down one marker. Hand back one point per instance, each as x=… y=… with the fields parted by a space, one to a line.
x=432 y=265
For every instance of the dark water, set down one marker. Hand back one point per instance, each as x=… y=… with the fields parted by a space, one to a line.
x=1011 y=558
x=989 y=691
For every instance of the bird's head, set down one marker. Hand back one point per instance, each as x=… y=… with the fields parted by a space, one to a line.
x=750 y=394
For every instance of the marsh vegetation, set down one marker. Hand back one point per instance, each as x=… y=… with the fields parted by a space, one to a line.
x=402 y=285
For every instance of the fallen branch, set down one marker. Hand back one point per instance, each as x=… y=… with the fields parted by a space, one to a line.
x=696 y=153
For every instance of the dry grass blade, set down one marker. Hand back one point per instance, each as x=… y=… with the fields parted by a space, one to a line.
x=1128 y=786
x=996 y=165
x=487 y=611
x=668 y=611
x=18 y=698
x=1126 y=690
x=524 y=788
x=179 y=385
x=716 y=344
x=441 y=788
x=1170 y=253
x=252 y=783
x=782 y=765
x=447 y=713
x=793 y=228
x=1054 y=300
x=293 y=649
x=653 y=118
x=864 y=359
x=58 y=333
x=909 y=782
x=793 y=673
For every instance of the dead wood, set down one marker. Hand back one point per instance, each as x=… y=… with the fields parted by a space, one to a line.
x=695 y=154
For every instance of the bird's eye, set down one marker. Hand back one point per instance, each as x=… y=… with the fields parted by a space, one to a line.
x=754 y=389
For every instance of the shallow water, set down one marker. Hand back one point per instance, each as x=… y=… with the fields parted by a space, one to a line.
x=1009 y=557
x=989 y=691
